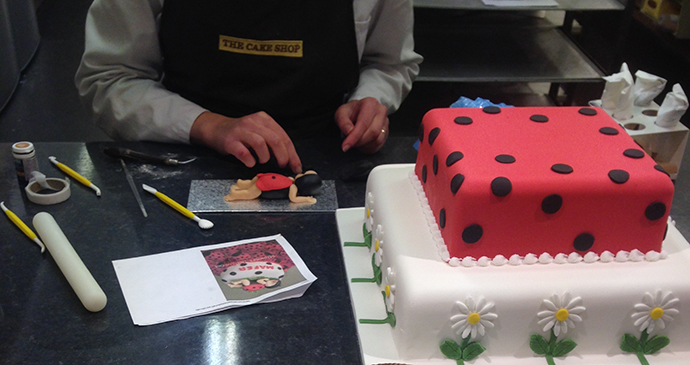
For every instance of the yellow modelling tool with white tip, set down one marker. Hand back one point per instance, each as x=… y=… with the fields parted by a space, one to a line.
x=203 y=223
x=23 y=227
x=75 y=175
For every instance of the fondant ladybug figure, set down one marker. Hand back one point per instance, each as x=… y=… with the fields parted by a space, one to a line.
x=276 y=186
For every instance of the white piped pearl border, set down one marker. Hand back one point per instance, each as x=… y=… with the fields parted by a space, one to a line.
x=529 y=259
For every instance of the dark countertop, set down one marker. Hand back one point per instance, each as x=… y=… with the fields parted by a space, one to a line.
x=42 y=320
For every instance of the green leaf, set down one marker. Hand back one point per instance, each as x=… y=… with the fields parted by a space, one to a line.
x=563 y=348
x=538 y=344
x=472 y=350
x=367 y=236
x=630 y=343
x=655 y=344
x=451 y=350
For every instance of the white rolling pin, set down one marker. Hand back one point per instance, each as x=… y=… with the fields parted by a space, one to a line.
x=78 y=276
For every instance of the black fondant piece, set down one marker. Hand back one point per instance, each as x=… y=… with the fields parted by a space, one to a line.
x=456 y=182
x=552 y=204
x=433 y=134
x=562 y=168
x=539 y=118
x=309 y=185
x=608 y=131
x=655 y=211
x=434 y=165
x=501 y=186
x=619 y=176
x=276 y=194
x=491 y=110
x=633 y=153
x=587 y=111
x=472 y=233
x=453 y=158
x=424 y=174
x=505 y=159
x=463 y=120
x=442 y=218
x=583 y=242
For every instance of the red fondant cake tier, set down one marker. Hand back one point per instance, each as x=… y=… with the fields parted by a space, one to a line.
x=533 y=180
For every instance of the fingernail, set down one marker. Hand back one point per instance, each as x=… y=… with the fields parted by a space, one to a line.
x=346 y=147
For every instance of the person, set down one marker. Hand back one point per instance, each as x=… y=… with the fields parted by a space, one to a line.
x=245 y=78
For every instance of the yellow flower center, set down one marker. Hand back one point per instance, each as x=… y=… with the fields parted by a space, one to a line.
x=368 y=213
x=376 y=247
x=474 y=318
x=388 y=291
x=562 y=314
x=656 y=313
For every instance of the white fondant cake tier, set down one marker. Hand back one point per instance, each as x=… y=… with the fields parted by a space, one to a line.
x=424 y=292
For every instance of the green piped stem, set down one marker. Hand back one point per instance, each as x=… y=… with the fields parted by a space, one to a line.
x=640 y=353
x=552 y=344
x=363 y=280
x=355 y=244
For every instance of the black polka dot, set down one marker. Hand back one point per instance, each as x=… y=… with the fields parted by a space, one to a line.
x=463 y=120
x=655 y=211
x=539 y=118
x=258 y=272
x=633 y=153
x=661 y=169
x=583 y=242
x=233 y=273
x=562 y=168
x=608 y=131
x=491 y=110
x=619 y=176
x=453 y=158
x=424 y=174
x=472 y=233
x=433 y=134
x=552 y=204
x=434 y=165
x=505 y=159
x=456 y=182
x=243 y=264
x=501 y=186
x=587 y=111
x=442 y=218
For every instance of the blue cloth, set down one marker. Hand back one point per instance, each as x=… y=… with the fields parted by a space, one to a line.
x=465 y=102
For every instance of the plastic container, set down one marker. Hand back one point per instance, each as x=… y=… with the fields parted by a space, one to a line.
x=25 y=161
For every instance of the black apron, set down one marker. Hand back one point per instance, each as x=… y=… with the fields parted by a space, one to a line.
x=294 y=59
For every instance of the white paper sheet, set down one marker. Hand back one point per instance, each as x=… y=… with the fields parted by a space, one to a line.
x=520 y=3
x=190 y=282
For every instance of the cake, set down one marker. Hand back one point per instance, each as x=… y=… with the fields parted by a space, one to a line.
x=526 y=287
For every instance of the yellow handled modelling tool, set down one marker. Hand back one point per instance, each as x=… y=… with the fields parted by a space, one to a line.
x=18 y=222
x=203 y=223
x=75 y=175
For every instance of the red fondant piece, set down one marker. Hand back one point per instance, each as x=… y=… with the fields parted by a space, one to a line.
x=253 y=287
x=271 y=181
x=557 y=196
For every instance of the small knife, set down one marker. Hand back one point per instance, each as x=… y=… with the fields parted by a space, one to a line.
x=119 y=152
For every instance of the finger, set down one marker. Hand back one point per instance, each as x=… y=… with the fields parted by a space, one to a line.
x=343 y=117
x=241 y=152
x=361 y=126
x=258 y=144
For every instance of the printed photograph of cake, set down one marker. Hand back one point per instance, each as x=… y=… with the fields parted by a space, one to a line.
x=250 y=270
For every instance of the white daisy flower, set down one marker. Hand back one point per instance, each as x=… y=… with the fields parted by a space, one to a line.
x=369 y=209
x=561 y=313
x=389 y=289
x=474 y=318
x=655 y=311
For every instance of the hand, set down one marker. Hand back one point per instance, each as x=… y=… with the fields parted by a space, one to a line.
x=365 y=123
x=235 y=136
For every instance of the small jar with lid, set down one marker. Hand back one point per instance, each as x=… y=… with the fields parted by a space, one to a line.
x=25 y=161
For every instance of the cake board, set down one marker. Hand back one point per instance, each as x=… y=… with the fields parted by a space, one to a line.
x=377 y=344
